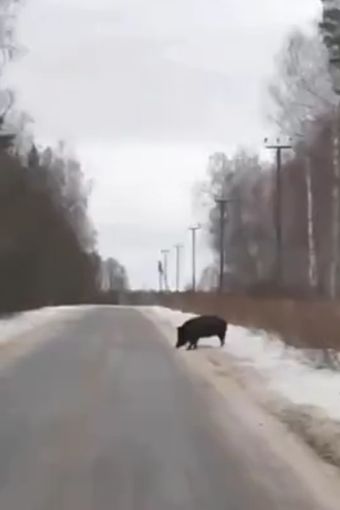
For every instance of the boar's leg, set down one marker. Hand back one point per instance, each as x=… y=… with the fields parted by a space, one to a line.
x=222 y=337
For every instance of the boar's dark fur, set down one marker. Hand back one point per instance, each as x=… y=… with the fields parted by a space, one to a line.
x=200 y=327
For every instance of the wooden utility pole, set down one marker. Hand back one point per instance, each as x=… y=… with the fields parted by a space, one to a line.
x=160 y=276
x=223 y=206
x=278 y=148
x=178 y=248
x=194 y=231
x=165 y=254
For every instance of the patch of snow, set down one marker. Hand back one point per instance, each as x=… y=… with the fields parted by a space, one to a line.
x=288 y=371
x=17 y=324
x=260 y=361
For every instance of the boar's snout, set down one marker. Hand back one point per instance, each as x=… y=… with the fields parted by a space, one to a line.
x=180 y=340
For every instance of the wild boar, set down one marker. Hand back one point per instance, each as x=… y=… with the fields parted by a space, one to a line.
x=200 y=327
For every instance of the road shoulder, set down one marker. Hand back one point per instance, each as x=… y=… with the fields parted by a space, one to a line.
x=270 y=446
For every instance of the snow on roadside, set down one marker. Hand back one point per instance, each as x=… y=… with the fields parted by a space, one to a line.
x=287 y=370
x=15 y=325
x=304 y=396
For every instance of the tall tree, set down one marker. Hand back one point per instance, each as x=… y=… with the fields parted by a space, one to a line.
x=330 y=29
x=114 y=276
x=248 y=228
x=301 y=90
x=45 y=255
x=301 y=93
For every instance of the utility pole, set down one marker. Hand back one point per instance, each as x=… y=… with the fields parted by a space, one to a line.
x=278 y=148
x=194 y=231
x=223 y=207
x=160 y=276
x=178 y=248
x=165 y=254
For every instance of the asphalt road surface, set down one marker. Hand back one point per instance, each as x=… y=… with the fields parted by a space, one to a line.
x=102 y=416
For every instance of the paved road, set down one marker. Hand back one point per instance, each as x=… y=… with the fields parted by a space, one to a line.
x=103 y=417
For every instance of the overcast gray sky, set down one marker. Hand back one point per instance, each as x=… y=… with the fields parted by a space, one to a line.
x=146 y=90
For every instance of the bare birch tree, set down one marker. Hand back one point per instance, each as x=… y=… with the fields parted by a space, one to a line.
x=301 y=93
x=330 y=29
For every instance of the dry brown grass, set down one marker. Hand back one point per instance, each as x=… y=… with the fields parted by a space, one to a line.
x=314 y=324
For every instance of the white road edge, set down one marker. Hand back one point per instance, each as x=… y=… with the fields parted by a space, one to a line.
x=21 y=333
